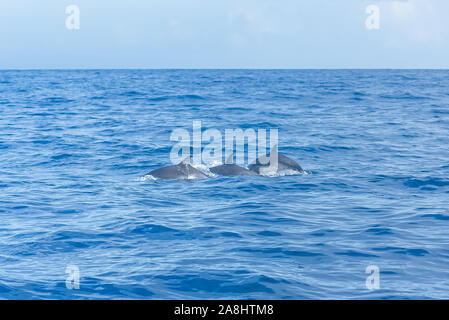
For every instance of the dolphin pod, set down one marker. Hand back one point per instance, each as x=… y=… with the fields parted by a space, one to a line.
x=270 y=163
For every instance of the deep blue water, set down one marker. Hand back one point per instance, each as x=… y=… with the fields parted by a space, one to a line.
x=75 y=144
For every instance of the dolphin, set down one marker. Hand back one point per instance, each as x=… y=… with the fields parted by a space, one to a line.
x=274 y=162
x=183 y=171
x=230 y=169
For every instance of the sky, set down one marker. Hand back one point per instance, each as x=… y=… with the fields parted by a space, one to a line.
x=291 y=34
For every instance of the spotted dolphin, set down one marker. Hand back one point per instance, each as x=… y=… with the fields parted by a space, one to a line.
x=231 y=169
x=274 y=162
x=181 y=171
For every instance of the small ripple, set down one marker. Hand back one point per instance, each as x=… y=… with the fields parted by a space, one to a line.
x=353 y=253
x=230 y=235
x=436 y=216
x=417 y=183
x=413 y=252
x=57 y=100
x=132 y=93
x=269 y=234
x=153 y=228
x=377 y=230
x=404 y=251
x=176 y=97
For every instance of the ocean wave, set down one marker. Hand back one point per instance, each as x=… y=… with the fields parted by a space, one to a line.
x=405 y=96
x=181 y=97
x=56 y=100
x=418 y=183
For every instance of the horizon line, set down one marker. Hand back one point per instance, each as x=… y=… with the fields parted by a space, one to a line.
x=250 y=69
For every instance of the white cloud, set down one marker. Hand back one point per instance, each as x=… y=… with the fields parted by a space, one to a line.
x=420 y=21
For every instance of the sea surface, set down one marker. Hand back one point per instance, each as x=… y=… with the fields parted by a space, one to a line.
x=74 y=146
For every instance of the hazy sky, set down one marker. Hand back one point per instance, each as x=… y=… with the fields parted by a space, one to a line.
x=224 y=34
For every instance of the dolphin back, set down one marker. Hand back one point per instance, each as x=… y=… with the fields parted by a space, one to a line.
x=182 y=171
x=289 y=163
x=167 y=173
x=284 y=163
x=231 y=170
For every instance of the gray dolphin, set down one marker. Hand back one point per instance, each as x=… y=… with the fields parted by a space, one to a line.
x=231 y=169
x=183 y=171
x=274 y=162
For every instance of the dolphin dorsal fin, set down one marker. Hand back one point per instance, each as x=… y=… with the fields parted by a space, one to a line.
x=186 y=161
x=230 y=159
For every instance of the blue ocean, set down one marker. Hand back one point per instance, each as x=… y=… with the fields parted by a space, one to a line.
x=75 y=144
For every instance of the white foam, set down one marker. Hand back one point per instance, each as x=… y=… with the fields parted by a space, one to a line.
x=148 y=177
x=287 y=172
x=206 y=169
